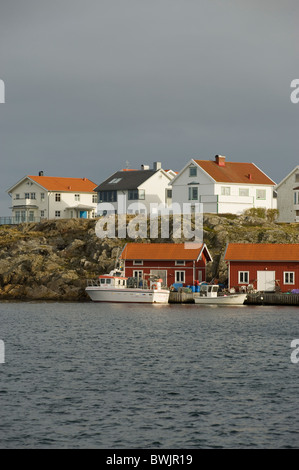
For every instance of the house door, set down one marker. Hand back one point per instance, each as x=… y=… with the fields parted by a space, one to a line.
x=159 y=274
x=266 y=281
x=83 y=214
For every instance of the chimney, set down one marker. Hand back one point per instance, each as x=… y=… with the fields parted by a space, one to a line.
x=40 y=173
x=220 y=160
x=157 y=166
x=144 y=167
x=250 y=176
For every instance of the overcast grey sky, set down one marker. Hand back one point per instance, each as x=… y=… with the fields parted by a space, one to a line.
x=91 y=84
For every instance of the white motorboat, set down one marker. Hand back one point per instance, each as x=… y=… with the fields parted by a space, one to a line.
x=114 y=287
x=209 y=294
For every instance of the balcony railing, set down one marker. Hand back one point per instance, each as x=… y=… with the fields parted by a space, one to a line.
x=9 y=220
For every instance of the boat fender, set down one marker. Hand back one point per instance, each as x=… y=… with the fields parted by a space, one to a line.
x=155 y=286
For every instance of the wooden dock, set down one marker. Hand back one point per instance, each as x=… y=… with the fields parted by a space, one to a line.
x=259 y=298
x=181 y=298
x=268 y=298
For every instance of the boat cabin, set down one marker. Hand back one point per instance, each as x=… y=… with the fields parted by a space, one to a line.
x=208 y=290
x=107 y=281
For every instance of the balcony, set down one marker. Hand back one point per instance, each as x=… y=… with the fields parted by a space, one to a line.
x=24 y=202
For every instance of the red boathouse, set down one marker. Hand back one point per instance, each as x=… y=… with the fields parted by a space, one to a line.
x=267 y=266
x=172 y=262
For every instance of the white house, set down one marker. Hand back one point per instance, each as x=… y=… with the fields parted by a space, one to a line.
x=288 y=197
x=131 y=191
x=48 y=197
x=222 y=186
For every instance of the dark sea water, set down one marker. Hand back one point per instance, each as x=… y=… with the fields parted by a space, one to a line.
x=86 y=375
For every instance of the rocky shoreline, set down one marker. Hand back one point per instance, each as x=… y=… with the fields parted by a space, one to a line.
x=52 y=260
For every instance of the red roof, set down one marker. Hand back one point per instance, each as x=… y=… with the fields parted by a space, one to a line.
x=234 y=172
x=262 y=252
x=163 y=251
x=58 y=183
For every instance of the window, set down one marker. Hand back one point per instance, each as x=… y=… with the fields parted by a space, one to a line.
x=57 y=213
x=32 y=195
x=180 y=276
x=192 y=171
x=243 y=277
x=31 y=216
x=180 y=263
x=261 y=194
x=115 y=180
x=27 y=196
x=42 y=196
x=243 y=191
x=107 y=196
x=138 y=274
x=94 y=198
x=57 y=197
x=77 y=197
x=225 y=191
x=137 y=262
x=193 y=193
x=132 y=194
x=18 y=216
x=169 y=193
x=42 y=213
x=141 y=194
x=295 y=197
x=289 y=277
x=17 y=196
x=297 y=177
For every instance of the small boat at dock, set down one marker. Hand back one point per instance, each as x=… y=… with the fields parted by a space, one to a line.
x=114 y=287
x=209 y=294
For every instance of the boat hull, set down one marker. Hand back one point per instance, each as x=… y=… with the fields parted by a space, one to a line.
x=127 y=295
x=237 y=299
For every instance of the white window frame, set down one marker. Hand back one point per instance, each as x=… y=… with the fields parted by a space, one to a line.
x=180 y=263
x=77 y=197
x=137 y=262
x=138 y=273
x=241 y=277
x=243 y=190
x=57 y=197
x=180 y=273
x=261 y=198
x=57 y=213
x=287 y=277
x=225 y=190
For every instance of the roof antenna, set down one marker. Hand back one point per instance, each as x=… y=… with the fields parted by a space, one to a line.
x=127 y=164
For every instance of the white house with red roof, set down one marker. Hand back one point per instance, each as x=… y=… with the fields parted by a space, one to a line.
x=50 y=197
x=222 y=186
